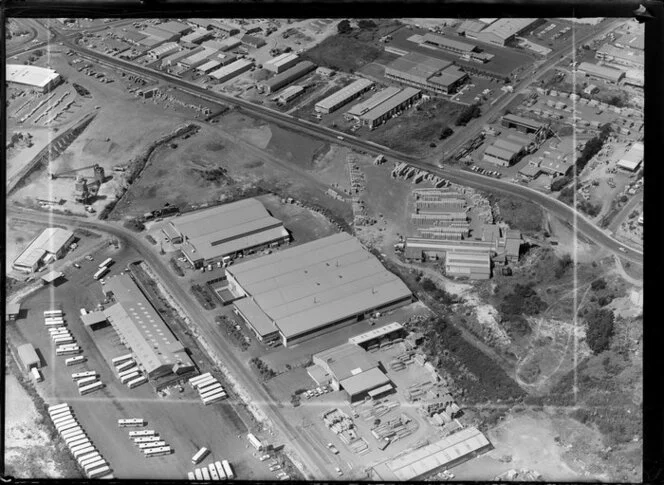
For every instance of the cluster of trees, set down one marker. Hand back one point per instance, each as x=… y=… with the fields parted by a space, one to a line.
x=438 y=293
x=203 y=296
x=589 y=208
x=592 y=147
x=236 y=335
x=523 y=300
x=559 y=183
x=563 y=265
x=598 y=284
x=176 y=267
x=344 y=26
x=445 y=133
x=263 y=369
x=469 y=112
x=599 y=329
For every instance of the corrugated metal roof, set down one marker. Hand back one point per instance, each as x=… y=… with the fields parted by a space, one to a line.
x=500 y=153
x=343 y=94
x=597 y=70
x=219 y=221
x=375 y=333
x=520 y=120
x=209 y=65
x=255 y=316
x=234 y=68
x=439 y=40
x=365 y=381
x=51 y=276
x=201 y=248
x=51 y=240
x=28 y=355
x=174 y=27
x=506 y=27
x=417 y=65
x=345 y=360
x=281 y=59
x=448 y=76
x=30 y=75
x=405 y=95
x=136 y=320
x=93 y=318
x=381 y=96
x=320 y=282
x=290 y=74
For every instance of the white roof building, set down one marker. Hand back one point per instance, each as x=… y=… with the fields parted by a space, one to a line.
x=53 y=240
x=41 y=78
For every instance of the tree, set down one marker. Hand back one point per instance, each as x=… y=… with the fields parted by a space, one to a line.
x=559 y=183
x=599 y=330
x=599 y=284
x=563 y=264
x=366 y=24
x=344 y=27
x=445 y=133
x=469 y=112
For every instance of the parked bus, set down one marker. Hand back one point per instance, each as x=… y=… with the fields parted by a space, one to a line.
x=82 y=444
x=79 y=359
x=80 y=375
x=191 y=476
x=61 y=412
x=52 y=313
x=94 y=464
x=36 y=374
x=83 y=312
x=146 y=439
x=90 y=388
x=198 y=474
x=54 y=323
x=204 y=382
x=106 y=263
x=220 y=470
x=143 y=432
x=98 y=472
x=209 y=387
x=57 y=407
x=63 y=339
x=211 y=393
x=64 y=427
x=152 y=444
x=131 y=422
x=53 y=330
x=128 y=371
x=214 y=398
x=89 y=458
x=100 y=273
x=128 y=377
x=119 y=360
x=86 y=381
x=255 y=442
x=76 y=434
x=125 y=366
x=78 y=440
x=164 y=450
x=82 y=450
x=227 y=468
x=194 y=380
x=213 y=472
x=199 y=456
x=137 y=382
x=206 y=474
x=63 y=420
x=68 y=349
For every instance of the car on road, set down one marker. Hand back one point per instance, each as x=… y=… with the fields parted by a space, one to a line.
x=89 y=258
x=338 y=470
x=622 y=249
x=77 y=266
x=333 y=448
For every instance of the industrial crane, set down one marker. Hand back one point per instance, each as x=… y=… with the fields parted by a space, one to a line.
x=67 y=173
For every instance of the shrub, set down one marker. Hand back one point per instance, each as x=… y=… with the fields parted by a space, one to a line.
x=560 y=183
x=598 y=284
x=445 y=133
x=523 y=300
x=563 y=265
x=344 y=27
x=470 y=112
x=599 y=330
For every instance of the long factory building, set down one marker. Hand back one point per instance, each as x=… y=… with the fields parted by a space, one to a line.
x=613 y=76
x=429 y=73
x=504 y=31
x=281 y=63
x=140 y=327
x=288 y=76
x=49 y=245
x=343 y=96
x=209 y=235
x=302 y=291
x=42 y=79
x=232 y=70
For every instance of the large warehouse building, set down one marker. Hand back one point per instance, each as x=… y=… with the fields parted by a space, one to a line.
x=50 y=245
x=140 y=328
x=504 y=31
x=350 y=368
x=381 y=113
x=301 y=291
x=450 y=45
x=345 y=95
x=418 y=70
x=40 y=78
x=444 y=454
x=367 y=105
x=613 y=76
x=209 y=235
x=288 y=76
x=281 y=63
x=232 y=70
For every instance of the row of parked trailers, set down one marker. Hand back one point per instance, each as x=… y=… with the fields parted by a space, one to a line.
x=209 y=388
x=219 y=470
x=80 y=446
x=146 y=440
x=128 y=372
x=63 y=339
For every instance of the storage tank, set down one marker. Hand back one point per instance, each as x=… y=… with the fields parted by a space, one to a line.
x=99 y=174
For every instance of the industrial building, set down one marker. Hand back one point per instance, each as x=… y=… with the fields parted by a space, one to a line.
x=451 y=45
x=381 y=113
x=48 y=246
x=557 y=168
x=472 y=266
x=196 y=37
x=141 y=329
x=232 y=70
x=196 y=59
x=377 y=336
x=28 y=356
x=281 y=63
x=12 y=311
x=631 y=41
x=380 y=97
x=51 y=277
x=470 y=28
x=164 y=50
x=506 y=150
x=222 y=45
x=159 y=34
x=421 y=249
x=208 y=67
x=288 y=76
x=503 y=31
x=595 y=71
x=42 y=79
x=290 y=93
x=345 y=95
x=209 y=235
x=632 y=159
x=443 y=454
x=350 y=368
x=314 y=287
x=622 y=56
x=175 y=27
x=525 y=125
x=224 y=58
x=252 y=41
x=177 y=56
x=429 y=73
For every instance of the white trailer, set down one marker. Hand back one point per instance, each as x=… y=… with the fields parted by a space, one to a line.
x=56 y=407
x=89 y=458
x=213 y=472
x=79 y=359
x=125 y=366
x=206 y=474
x=84 y=381
x=65 y=427
x=98 y=472
x=198 y=378
x=60 y=413
x=79 y=441
x=220 y=470
x=94 y=464
x=214 y=398
x=227 y=468
x=191 y=476
x=82 y=450
x=154 y=444
x=59 y=421
x=79 y=434
x=123 y=358
x=129 y=377
x=90 y=388
x=200 y=455
x=204 y=382
x=209 y=387
x=137 y=382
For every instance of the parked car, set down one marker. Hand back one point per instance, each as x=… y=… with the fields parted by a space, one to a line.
x=89 y=258
x=77 y=266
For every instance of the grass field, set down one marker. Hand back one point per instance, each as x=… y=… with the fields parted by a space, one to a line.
x=519 y=214
x=343 y=53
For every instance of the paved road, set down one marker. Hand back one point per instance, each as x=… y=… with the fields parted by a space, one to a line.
x=562 y=211
x=312 y=462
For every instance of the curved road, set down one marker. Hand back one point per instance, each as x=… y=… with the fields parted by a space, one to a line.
x=584 y=226
x=305 y=452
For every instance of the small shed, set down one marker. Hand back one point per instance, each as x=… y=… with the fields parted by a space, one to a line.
x=51 y=277
x=29 y=357
x=12 y=311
